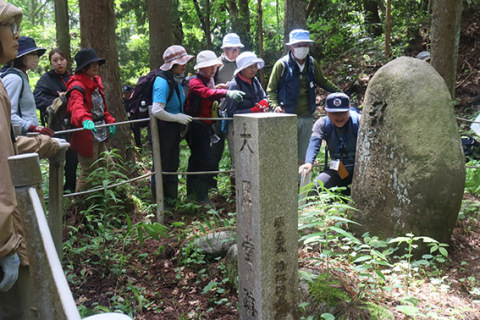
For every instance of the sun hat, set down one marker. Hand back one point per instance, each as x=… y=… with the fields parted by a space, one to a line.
x=231 y=40
x=27 y=45
x=246 y=59
x=8 y=10
x=298 y=36
x=207 y=58
x=424 y=55
x=175 y=55
x=337 y=102
x=86 y=56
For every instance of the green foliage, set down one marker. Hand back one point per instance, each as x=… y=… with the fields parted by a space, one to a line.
x=472 y=177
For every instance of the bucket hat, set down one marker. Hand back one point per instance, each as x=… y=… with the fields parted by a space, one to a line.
x=175 y=55
x=207 y=58
x=231 y=40
x=299 y=35
x=8 y=10
x=27 y=45
x=86 y=56
x=246 y=59
x=337 y=102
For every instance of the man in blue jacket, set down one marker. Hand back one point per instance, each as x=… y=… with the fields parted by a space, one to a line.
x=339 y=129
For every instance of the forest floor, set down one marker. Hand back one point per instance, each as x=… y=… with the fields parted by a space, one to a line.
x=171 y=290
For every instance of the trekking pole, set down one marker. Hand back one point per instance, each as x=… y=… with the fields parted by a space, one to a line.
x=102 y=125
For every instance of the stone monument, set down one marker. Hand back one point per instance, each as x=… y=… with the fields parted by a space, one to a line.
x=410 y=169
x=267 y=230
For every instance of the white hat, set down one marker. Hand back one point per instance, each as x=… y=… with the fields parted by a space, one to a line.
x=246 y=59
x=207 y=58
x=298 y=36
x=231 y=40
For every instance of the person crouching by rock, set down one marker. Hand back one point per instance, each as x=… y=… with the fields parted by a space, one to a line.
x=201 y=95
x=88 y=109
x=339 y=129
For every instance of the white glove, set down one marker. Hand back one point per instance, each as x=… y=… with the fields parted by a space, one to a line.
x=62 y=143
x=9 y=265
x=158 y=110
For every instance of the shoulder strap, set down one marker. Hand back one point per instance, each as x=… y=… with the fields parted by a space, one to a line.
x=13 y=71
x=79 y=88
x=172 y=85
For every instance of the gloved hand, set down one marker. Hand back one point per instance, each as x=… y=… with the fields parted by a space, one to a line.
x=9 y=265
x=112 y=129
x=89 y=125
x=182 y=118
x=256 y=109
x=236 y=95
x=41 y=130
x=263 y=104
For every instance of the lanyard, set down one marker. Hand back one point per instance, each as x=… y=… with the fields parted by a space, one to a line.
x=337 y=149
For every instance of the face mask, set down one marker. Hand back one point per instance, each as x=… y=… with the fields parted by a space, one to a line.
x=179 y=77
x=31 y=61
x=301 y=53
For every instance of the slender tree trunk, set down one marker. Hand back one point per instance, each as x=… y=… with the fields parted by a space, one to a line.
x=97 y=28
x=63 y=29
x=204 y=20
x=388 y=27
x=295 y=16
x=160 y=30
x=372 y=18
x=244 y=32
x=446 y=19
x=260 y=41
x=311 y=5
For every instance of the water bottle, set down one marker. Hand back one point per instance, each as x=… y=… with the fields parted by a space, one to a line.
x=143 y=110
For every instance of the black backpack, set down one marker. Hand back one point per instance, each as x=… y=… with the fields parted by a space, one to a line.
x=144 y=90
x=56 y=114
x=471 y=147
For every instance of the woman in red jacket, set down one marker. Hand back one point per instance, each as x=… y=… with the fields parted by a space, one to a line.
x=88 y=109
x=201 y=95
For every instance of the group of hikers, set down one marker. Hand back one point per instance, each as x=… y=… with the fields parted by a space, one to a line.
x=229 y=79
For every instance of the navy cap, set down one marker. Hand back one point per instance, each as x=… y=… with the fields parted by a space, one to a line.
x=127 y=88
x=337 y=102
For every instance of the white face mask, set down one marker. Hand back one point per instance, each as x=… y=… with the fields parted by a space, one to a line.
x=31 y=61
x=301 y=52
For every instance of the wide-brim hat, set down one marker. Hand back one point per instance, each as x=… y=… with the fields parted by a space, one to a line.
x=175 y=55
x=337 y=102
x=27 y=45
x=86 y=56
x=246 y=59
x=8 y=10
x=231 y=40
x=206 y=59
x=299 y=36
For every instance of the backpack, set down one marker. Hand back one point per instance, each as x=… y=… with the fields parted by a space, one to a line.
x=56 y=113
x=13 y=71
x=471 y=147
x=144 y=91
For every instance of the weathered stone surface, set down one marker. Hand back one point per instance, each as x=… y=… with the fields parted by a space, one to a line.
x=267 y=215
x=216 y=244
x=409 y=173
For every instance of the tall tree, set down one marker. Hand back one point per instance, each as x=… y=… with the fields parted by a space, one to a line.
x=239 y=13
x=260 y=41
x=97 y=28
x=204 y=20
x=446 y=18
x=160 y=30
x=372 y=18
x=295 y=15
x=63 y=28
x=388 y=27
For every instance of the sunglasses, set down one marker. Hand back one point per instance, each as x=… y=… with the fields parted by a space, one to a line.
x=13 y=26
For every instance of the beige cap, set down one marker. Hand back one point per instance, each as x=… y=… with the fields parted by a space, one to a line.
x=8 y=10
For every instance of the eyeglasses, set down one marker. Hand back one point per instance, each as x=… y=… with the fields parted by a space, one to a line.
x=232 y=49
x=13 y=26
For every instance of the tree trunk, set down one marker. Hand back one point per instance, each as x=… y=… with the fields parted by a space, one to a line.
x=260 y=41
x=446 y=18
x=244 y=32
x=372 y=18
x=63 y=29
x=295 y=16
x=160 y=30
x=97 y=28
x=388 y=27
x=204 y=20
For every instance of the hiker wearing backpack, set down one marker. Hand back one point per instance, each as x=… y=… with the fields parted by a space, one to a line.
x=88 y=109
x=168 y=106
x=200 y=98
x=15 y=78
x=255 y=99
x=50 y=86
x=292 y=84
x=339 y=129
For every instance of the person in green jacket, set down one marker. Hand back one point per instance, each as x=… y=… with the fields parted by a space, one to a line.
x=291 y=88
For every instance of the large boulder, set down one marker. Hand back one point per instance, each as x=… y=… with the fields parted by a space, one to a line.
x=410 y=169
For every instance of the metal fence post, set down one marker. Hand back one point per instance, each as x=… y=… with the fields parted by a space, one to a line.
x=157 y=162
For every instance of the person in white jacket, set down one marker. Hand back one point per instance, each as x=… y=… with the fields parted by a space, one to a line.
x=168 y=100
